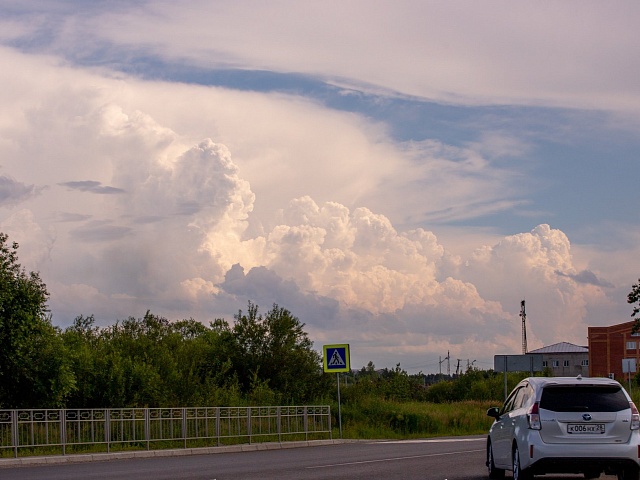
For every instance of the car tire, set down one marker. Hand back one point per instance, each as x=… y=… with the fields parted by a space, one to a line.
x=518 y=473
x=494 y=472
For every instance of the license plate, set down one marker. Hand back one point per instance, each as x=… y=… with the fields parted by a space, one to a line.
x=585 y=428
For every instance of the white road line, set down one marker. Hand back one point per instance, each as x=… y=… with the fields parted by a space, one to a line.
x=441 y=440
x=392 y=459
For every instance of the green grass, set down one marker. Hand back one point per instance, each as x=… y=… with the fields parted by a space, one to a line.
x=372 y=418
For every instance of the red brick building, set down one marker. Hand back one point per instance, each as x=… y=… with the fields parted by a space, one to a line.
x=608 y=346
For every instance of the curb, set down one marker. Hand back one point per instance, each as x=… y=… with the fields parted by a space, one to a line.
x=180 y=452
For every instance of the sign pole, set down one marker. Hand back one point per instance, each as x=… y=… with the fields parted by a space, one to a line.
x=629 y=367
x=505 y=378
x=336 y=358
x=339 y=412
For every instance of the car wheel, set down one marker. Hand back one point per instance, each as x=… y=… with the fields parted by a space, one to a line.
x=518 y=473
x=629 y=473
x=493 y=471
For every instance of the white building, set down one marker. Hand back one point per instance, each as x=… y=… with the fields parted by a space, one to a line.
x=564 y=359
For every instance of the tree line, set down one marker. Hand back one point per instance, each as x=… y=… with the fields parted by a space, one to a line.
x=149 y=361
x=152 y=362
x=258 y=359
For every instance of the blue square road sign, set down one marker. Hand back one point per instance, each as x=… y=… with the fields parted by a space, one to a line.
x=336 y=358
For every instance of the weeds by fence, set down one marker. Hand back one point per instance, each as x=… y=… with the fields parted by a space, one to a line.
x=37 y=432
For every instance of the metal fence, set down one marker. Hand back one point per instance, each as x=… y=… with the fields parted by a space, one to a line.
x=127 y=428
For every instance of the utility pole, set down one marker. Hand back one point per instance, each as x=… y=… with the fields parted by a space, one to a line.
x=523 y=314
x=441 y=360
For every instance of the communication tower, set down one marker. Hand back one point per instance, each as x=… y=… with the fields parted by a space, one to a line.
x=523 y=314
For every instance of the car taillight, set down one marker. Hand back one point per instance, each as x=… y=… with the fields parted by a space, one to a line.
x=533 y=416
x=635 y=417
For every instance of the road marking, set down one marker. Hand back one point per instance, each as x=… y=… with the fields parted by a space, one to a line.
x=392 y=459
x=441 y=440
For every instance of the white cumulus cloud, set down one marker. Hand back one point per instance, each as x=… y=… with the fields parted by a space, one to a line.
x=190 y=201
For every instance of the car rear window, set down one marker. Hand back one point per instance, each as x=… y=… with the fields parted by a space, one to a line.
x=583 y=398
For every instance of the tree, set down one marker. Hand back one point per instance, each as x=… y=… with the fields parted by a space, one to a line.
x=274 y=352
x=34 y=371
x=149 y=362
x=634 y=297
x=294 y=367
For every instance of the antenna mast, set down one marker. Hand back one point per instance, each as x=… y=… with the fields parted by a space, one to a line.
x=523 y=314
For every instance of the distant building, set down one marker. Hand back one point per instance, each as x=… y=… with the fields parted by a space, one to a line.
x=564 y=359
x=608 y=346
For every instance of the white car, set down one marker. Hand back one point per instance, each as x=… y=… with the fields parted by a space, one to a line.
x=565 y=425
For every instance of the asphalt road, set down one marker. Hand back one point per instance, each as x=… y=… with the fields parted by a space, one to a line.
x=460 y=458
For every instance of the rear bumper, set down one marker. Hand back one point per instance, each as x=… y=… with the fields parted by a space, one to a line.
x=609 y=466
x=563 y=458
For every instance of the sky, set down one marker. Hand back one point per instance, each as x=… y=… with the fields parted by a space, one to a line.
x=398 y=175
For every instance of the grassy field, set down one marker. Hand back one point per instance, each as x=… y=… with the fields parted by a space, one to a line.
x=374 y=419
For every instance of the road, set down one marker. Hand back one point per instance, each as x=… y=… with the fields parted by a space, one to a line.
x=460 y=458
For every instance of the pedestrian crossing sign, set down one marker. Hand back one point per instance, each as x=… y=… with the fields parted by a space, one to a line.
x=336 y=358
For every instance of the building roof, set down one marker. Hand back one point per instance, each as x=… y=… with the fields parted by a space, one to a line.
x=562 y=347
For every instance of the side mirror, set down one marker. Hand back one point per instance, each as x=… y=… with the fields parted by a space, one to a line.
x=493 y=412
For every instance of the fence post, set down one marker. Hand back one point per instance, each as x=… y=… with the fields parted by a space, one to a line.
x=184 y=426
x=306 y=423
x=279 y=415
x=249 y=423
x=329 y=422
x=107 y=428
x=218 y=425
x=147 y=427
x=14 y=432
x=63 y=429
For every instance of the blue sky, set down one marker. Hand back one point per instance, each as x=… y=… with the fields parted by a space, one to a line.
x=401 y=192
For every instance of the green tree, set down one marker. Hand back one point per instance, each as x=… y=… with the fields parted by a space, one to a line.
x=634 y=297
x=34 y=371
x=397 y=384
x=149 y=361
x=81 y=343
x=273 y=352
x=152 y=362
x=137 y=363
